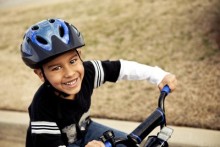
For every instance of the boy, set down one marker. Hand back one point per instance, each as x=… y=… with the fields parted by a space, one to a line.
x=59 y=112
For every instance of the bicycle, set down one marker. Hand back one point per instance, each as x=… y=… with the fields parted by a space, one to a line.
x=138 y=135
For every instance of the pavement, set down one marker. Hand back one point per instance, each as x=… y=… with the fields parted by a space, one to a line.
x=13 y=127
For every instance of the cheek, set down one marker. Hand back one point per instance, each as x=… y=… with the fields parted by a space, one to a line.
x=54 y=79
x=81 y=70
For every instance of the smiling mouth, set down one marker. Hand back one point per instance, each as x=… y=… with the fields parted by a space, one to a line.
x=71 y=83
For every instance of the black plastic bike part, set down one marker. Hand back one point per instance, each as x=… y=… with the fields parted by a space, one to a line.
x=122 y=141
x=164 y=92
x=154 y=120
x=108 y=138
x=125 y=142
x=153 y=141
x=161 y=100
x=161 y=106
x=157 y=118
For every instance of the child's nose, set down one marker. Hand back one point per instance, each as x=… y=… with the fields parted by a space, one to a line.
x=69 y=72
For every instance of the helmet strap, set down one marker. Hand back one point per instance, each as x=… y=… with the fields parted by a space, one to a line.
x=78 y=55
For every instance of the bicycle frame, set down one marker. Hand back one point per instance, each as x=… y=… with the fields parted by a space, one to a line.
x=136 y=137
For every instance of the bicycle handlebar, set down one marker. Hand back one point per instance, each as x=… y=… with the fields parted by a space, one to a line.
x=164 y=92
x=157 y=118
x=154 y=120
x=166 y=89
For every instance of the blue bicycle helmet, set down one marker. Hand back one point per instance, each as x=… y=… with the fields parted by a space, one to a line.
x=47 y=39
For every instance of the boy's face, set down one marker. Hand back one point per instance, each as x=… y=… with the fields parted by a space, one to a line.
x=65 y=73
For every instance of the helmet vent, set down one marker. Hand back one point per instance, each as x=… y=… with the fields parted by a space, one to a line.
x=35 y=28
x=28 y=40
x=51 y=20
x=61 y=31
x=41 y=40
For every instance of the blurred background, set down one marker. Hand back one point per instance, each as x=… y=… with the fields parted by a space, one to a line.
x=182 y=37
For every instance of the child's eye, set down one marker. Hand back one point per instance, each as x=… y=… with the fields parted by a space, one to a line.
x=56 y=68
x=73 y=61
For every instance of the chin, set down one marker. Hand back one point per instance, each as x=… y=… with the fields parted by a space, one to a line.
x=74 y=92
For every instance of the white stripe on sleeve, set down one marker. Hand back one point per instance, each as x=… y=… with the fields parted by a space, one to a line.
x=44 y=127
x=99 y=73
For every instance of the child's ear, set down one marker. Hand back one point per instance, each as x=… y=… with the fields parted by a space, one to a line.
x=40 y=74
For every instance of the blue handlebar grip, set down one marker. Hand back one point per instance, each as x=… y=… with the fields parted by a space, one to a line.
x=166 y=89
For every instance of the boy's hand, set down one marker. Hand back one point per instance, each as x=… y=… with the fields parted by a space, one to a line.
x=169 y=80
x=95 y=143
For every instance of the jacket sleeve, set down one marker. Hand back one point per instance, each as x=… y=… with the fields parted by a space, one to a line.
x=131 y=70
x=43 y=129
x=44 y=133
x=105 y=71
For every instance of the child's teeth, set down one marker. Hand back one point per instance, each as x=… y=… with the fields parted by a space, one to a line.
x=70 y=83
